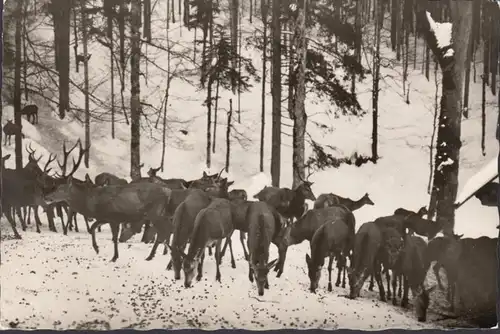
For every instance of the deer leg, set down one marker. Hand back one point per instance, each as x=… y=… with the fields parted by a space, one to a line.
x=242 y=239
x=330 y=265
x=378 y=279
x=154 y=248
x=250 y=272
x=86 y=221
x=217 y=259
x=38 y=223
x=406 y=287
x=115 y=229
x=19 y=215
x=394 y=285
x=92 y=232
x=8 y=214
x=282 y=248
x=147 y=226
x=26 y=214
x=50 y=218
x=339 y=271
x=200 y=266
x=372 y=283
x=233 y=263
x=400 y=287
x=223 y=252
x=388 y=279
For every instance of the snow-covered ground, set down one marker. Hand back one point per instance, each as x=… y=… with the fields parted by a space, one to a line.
x=55 y=281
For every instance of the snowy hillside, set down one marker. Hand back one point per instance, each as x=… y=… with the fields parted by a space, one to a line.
x=140 y=294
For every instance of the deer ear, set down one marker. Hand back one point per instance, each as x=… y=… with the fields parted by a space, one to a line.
x=87 y=178
x=230 y=183
x=308 y=259
x=205 y=175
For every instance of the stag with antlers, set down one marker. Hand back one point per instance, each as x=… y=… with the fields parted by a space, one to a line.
x=50 y=183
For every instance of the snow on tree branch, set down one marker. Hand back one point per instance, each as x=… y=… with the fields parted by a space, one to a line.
x=442 y=33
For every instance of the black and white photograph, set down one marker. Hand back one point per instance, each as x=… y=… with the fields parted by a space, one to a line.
x=249 y=164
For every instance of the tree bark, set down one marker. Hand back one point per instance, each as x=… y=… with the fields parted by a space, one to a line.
x=299 y=112
x=135 y=90
x=17 y=88
x=86 y=81
x=276 y=92
x=61 y=12
x=228 y=134
x=448 y=139
x=263 y=7
x=209 y=120
x=376 y=79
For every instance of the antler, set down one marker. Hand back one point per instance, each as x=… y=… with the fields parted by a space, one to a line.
x=309 y=173
x=31 y=153
x=218 y=176
x=51 y=159
x=76 y=163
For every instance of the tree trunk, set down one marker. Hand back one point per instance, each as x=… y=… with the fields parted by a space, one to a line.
x=17 y=88
x=357 y=43
x=483 y=115
x=276 y=92
x=299 y=112
x=263 y=7
x=394 y=31
x=215 y=115
x=376 y=78
x=112 y=64
x=234 y=6
x=135 y=90
x=25 y=54
x=228 y=134
x=448 y=139
x=432 y=203
x=239 y=64
x=167 y=94
x=86 y=81
x=467 y=77
x=61 y=12
x=209 y=120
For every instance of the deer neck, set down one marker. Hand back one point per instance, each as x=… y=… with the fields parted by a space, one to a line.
x=355 y=205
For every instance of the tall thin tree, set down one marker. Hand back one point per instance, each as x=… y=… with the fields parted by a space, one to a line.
x=276 y=92
x=135 y=90
x=84 y=27
x=17 y=86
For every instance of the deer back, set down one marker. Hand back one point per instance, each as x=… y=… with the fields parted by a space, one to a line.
x=304 y=227
x=29 y=109
x=212 y=223
x=261 y=230
x=330 y=237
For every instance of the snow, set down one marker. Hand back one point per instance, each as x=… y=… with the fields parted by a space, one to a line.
x=442 y=31
x=58 y=282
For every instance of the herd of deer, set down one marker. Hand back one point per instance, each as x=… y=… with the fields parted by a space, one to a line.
x=204 y=213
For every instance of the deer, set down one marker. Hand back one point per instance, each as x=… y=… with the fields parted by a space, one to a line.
x=31 y=112
x=170 y=183
x=412 y=265
x=326 y=200
x=290 y=203
x=305 y=227
x=367 y=246
x=211 y=226
x=19 y=190
x=51 y=183
x=392 y=245
x=184 y=218
x=438 y=250
x=108 y=178
x=11 y=129
x=238 y=194
x=330 y=240
x=263 y=223
x=178 y=196
x=114 y=204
